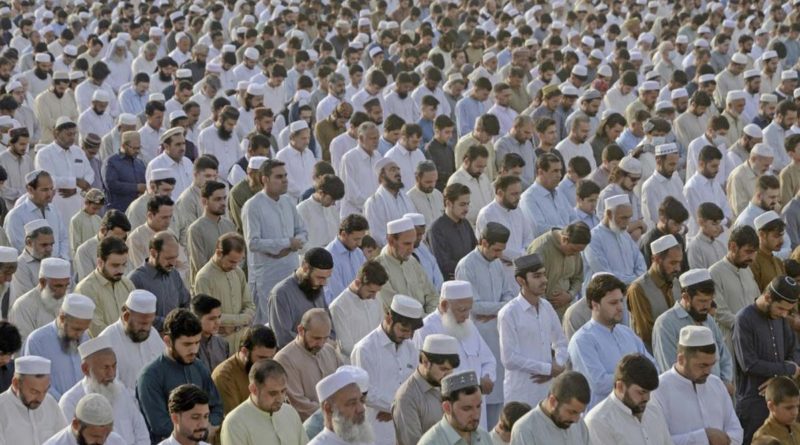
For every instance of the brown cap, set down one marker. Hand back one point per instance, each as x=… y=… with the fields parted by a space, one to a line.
x=95 y=196
x=92 y=140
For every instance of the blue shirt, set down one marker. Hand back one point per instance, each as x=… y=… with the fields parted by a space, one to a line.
x=122 y=175
x=65 y=367
x=468 y=110
x=547 y=209
x=132 y=102
x=616 y=253
x=429 y=265
x=25 y=212
x=628 y=141
x=591 y=220
x=345 y=267
x=595 y=351
x=567 y=189
x=427 y=132
x=384 y=146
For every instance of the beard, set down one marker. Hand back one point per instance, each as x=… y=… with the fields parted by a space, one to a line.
x=50 y=303
x=394 y=185
x=455 y=329
x=224 y=134
x=68 y=345
x=509 y=205
x=359 y=431
x=112 y=278
x=137 y=336
x=633 y=406
x=164 y=77
x=431 y=381
x=107 y=390
x=5 y=78
x=164 y=270
x=402 y=95
x=614 y=227
x=697 y=316
x=307 y=287
x=40 y=74
x=178 y=358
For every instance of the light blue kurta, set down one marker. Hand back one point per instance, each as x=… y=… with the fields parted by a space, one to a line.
x=595 y=351
x=468 y=110
x=546 y=209
x=429 y=265
x=345 y=267
x=25 y=212
x=616 y=253
x=66 y=367
x=269 y=226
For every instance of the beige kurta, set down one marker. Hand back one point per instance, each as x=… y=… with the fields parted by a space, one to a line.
x=85 y=258
x=29 y=313
x=740 y=187
x=108 y=297
x=82 y=226
x=564 y=273
x=303 y=371
x=468 y=140
x=232 y=290
x=139 y=250
x=137 y=210
x=48 y=108
x=188 y=209
x=321 y=222
x=249 y=425
x=407 y=278
x=430 y=205
x=201 y=241
x=734 y=289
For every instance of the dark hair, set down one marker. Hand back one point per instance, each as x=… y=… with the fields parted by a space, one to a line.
x=372 y=272
x=265 y=369
x=353 y=223
x=511 y=413
x=10 y=339
x=571 y=385
x=203 y=304
x=205 y=162
x=440 y=359
x=636 y=369
x=704 y=287
x=268 y=165
x=155 y=203
x=185 y=397
x=709 y=153
x=368 y=242
x=767 y=182
x=544 y=161
x=231 y=242
x=331 y=185
x=115 y=218
x=495 y=232
x=586 y=188
x=453 y=396
x=612 y=152
x=578 y=233
x=601 y=285
x=111 y=246
x=512 y=160
x=152 y=106
x=259 y=335
x=710 y=211
x=579 y=165
x=781 y=388
x=672 y=209
x=454 y=191
x=504 y=182
x=744 y=235
x=181 y=322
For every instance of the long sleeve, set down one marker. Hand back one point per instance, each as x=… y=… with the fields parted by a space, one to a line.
x=407 y=421
x=140 y=431
x=149 y=393
x=356 y=195
x=304 y=406
x=214 y=400
x=724 y=316
x=252 y=219
x=641 y=313
x=744 y=340
x=366 y=360
x=586 y=360
x=726 y=371
x=280 y=318
x=510 y=354
x=114 y=180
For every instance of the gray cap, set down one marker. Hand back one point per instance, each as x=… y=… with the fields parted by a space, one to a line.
x=591 y=95
x=496 y=231
x=461 y=380
x=528 y=263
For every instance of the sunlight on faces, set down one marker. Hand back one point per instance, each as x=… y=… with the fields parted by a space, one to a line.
x=549 y=179
x=434 y=373
x=369 y=140
x=491 y=251
x=696 y=367
x=41 y=247
x=230 y=261
x=698 y=306
x=352 y=240
x=31 y=390
x=476 y=168
x=771 y=241
x=402 y=244
x=315 y=337
x=347 y=409
x=137 y=325
x=669 y=265
x=44 y=191
x=761 y=163
x=301 y=139
x=277 y=182
x=464 y=414
x=192 y=425
x=769 y=199
x=316 y=278
x=183 y=349
x=397 y=332
x=455 y=317
x=167 y=259
x=71 y=328
x=742 y=256
x=270 y=395
x=534 y=282
x=164 y=189
x=101 y=368
x=211 y=321
x=427 y=181
x=610 y=309
x=208 y=174
x=711 y=228
x=634 y=397
x=511 y=196
x=216 y=202
x=786 y=411
x=113 y=268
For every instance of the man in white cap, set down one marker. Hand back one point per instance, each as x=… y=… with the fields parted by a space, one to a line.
x=374 y=354
x=752 y=85
x=694 y=401
x=40 y=76
x=95 y=119
x=58 y=341
x=399 y=263
x=452 y=318
x=623 y=181
x=247 y=68
x=181 y=54
x=41 y=305
x=99 y=367
x=221 y=141
x=299 y=160
x=769 y=75
x=8 y=266
x=657 y=289
x=253 y=98
x=648 y=95
x=173 y=144
x=664 y=182
x=697 y=295
x=389 y=202
x=93 y=422
x=461 y=403
x=54 y=103
x=742 y=181
x=775 y=134
x=245 y=425
x=612 y=249
x=39 y=244
x=730 y=78
x=30 y=414
x=766 y=198
x=341 y=396
x=767 y=104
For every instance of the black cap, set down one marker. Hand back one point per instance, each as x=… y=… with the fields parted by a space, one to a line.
x=318 y=258
x=784 y=288
x=527 y=263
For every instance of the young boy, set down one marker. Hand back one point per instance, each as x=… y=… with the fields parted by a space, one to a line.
x=783 y=402
x=586 y=193
x=429 y=106
x=391 y=133
x=578 y=168
x=706 y=248
x=440 y=149
x=369 y=247
x=512 y=411
x=213 y=348
x=512 y=164
x=86 y=223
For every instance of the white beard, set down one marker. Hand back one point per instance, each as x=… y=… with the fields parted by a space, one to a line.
x=350 y=431
x=614 y=227
x=455 y=329
x=109 y=391
x=51 y=305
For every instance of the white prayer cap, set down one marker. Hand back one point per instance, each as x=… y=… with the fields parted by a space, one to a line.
x=796 y=93
x=788 y=75
x=76 y=75
x=128 y=119
x=383 y=162
x=694 y=276
x=456 y=290
x=636 y=56
x=88 y=348
x=678 y=93
x=78 y=306
x=70 y=50
x=557 y=24
x=417 y=218
x=183 y=73
x=174 y=131
x=375 y=50
x=407 y=307
x=695 y=336
x=615 y=201
x=242 y=85
x=652 y=75
x=312 y=55
x=31 y=365
x=100 y=96
x=256 y=89
x=228 y=48
x=177 y=114
x=440 y=344
x=35 y=225
x=331 y=384
x=664 y=105
x=568 y=90
x=735 y=95
x=141 y=301
x=156 y=97
x=728 y=23
x=763 y=150
x=255 y=162
x=248 y=19
x=155 y=31
x=704 y=30
x=399 y=226
x=749 y=74
x=604 y=70
x=487 y=56
x=63 y=121
x=682 y=39
x=649 y=85
x=761 y=31
x=754 y=131
x=768 y=98
x=596 y=54
x=363 y=22
x=13 y=85
x=8 y=254
x=765 y=218
x=119 y=42
x=588 y=41
x=251 y=53
x=342 y=24
x=214 y=67
x=707 y=78
x=176 y=16
x=94 y=409
x=298 y=125
x=769 y=54
x=42 y=58
x=361 y=376
x=159 y=174
x=663 y=243
x=579 y=70
x=666 y=149
x=630 y=165
x=740 y=59
x=54 y=268
x=392 y=25
x=572 y=34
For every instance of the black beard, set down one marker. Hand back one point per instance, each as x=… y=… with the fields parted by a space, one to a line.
x=41 y=75
x=164 y=78
x=57 y=94
x=137 y=337
x=697 y=316
x=310 y=293
x=393 y=185
x=402 y=95
x=5 y=78
x=224 y=134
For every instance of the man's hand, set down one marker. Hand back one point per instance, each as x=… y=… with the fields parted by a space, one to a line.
x=762 y=388
x=296 y=244
x=539 y=379
x=383 y=416
x=729 y=386
x=82 y=184
x=486 y=385
x=555 y=369
x=717 y=437
x=484 y=318
x=66 y=193
x=560 y=299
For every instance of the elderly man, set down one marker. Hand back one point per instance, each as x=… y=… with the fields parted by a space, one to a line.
x=245 y=425
x=41 y=305
x=39 y=243
x=357 y=311
x=93 y=420
x=530 y=318
x=111 y=143
x=406 y=275
x=597 y=346
x=95 y=119
x=299 y=160
x=299 y=292
x=741 y=184
x=664 y=182
x=461 y=402
x=622 y=181
x=39 y=186
x=389 y=202
x=418 y=402
x=452 y=318
x=611 y=248
x=106 y=285
x=308 y=359
x=69 y=329
x=341 y=398
x=133 y=337
x=178 y=365
x=231 y=376
x=30 y=414
x=98 y=364
x=172 y=157
x=274 y=232
x=358 y=168
x=393 y=360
